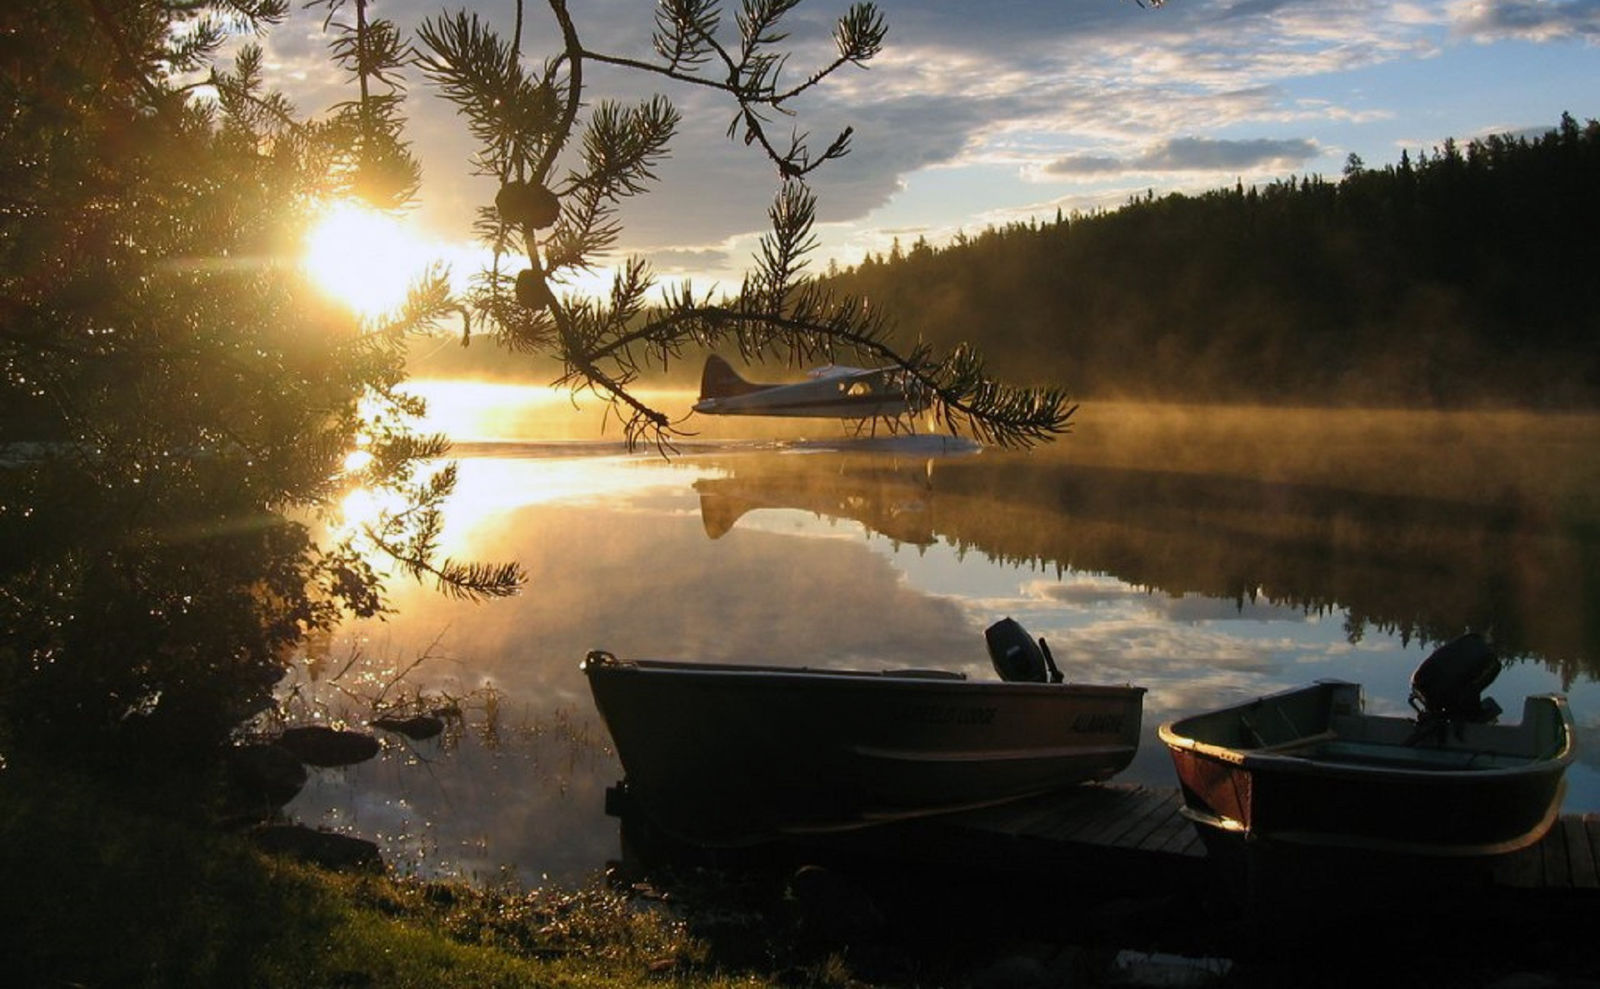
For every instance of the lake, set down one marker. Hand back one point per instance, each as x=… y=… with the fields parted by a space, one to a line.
x=1208 y=554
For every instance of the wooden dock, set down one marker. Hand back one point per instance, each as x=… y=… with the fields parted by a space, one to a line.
x=1134 y=836
x=1122 y=817
x=1566 y=859
x=1143 y=821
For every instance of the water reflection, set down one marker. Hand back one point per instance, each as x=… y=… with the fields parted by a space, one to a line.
x=1206 y=561
x=885 y=498
x=1420 y=566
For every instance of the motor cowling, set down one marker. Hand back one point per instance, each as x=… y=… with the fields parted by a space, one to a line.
x=1017 y=657
x=1449 y=685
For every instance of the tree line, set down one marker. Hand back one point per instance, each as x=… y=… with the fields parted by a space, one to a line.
x=1460 y=277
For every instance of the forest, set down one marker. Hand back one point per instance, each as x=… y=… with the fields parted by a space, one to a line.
x=1464 y=277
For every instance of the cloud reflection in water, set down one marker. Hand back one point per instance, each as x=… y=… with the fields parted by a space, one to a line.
x=1207 y=589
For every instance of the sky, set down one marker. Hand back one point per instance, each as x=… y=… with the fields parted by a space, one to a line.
x=986 y=112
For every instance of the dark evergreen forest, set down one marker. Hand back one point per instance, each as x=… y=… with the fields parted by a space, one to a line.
x=1466 y=276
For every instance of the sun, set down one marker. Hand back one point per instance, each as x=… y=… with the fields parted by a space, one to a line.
x=365 y=258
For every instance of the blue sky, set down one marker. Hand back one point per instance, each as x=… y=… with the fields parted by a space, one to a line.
x=989 y=111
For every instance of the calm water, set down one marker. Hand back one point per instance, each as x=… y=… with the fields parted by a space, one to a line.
x=1209 y=555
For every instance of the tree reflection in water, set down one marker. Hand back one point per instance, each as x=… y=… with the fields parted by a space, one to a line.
x=1413 y=537
x=1209 y=556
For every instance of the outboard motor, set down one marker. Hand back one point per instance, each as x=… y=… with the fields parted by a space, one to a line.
x=1017 y=658
x=1447 y=688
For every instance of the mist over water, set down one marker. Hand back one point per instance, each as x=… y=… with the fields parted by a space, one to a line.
x=1209 y=554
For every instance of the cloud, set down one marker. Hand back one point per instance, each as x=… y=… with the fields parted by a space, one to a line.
x=1070 y=89
x=1085 y=165
x=1087 y=591
x=1528 y=20
x=677 y=260
x=1194 y=154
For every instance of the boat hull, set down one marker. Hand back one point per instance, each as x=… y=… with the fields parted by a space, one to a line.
x=1356 y=784
x=720 y=754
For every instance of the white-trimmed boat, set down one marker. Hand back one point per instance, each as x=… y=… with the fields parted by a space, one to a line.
x=724 y=753
x=1309 y=767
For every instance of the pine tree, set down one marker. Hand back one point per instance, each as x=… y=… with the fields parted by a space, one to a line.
x=176 y=404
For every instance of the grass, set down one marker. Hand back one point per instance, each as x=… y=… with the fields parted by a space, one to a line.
x=105 y=884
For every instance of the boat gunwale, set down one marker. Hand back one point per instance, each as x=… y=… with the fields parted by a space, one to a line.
x=934 y=680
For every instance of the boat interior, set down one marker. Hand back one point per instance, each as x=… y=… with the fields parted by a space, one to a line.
x=1324 y=723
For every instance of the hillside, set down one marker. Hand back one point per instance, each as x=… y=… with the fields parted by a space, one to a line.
x=1466 y=276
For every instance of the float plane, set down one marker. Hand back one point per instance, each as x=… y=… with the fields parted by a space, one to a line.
x=833 y=392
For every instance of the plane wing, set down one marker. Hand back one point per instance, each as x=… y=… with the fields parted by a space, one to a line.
x=830 y=371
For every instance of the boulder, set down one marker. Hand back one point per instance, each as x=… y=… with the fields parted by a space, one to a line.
x=832 y=907
x=324 y=848
x=319 y=745
x=269 y=774
x=419 y=727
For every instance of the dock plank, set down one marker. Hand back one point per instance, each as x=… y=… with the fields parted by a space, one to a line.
x=1159 y=816
x=1132 y=824
x=1591 y=827
x=1171 y=827
x=1019 y=819
x=1580 y=854
x=1109 y=829
x=1174 y=829
x=1557 y=868
x=1113 y=805
x=1195 y=845
x=1147 y=821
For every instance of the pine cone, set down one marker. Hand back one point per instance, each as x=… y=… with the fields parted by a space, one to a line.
x=527 y=204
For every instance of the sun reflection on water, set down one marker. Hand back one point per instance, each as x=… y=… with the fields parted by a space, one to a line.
x=1206 y=586
x=472 y=411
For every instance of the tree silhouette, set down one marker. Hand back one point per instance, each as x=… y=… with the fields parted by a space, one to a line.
x=1459 y=277
x=176 y=403
x=178 y=408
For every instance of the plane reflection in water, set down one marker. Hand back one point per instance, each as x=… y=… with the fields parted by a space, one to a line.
x=884 y=484
x=1211 y=557
x=1417 y=565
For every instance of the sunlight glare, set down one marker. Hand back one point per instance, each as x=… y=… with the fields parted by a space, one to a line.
x=364 y=258
x=367 y=508
x=357 y=461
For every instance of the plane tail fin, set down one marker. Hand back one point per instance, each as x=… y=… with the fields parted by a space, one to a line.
x=720 y=380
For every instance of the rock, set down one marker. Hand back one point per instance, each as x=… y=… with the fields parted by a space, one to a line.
x=832 y=907
x=1031 y=965
x=1156 y=970
x=268 y=773
x=318 y=745
x=418 y=727
x=1012 y=972
x=1535 y=980
x=325 y=848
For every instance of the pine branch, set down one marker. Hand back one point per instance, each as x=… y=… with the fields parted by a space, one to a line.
x=466 y=581
x=777 y=314
x=682 y=27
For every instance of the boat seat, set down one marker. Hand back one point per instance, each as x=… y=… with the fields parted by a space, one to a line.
x=1289 y=746
x=1270 y=729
